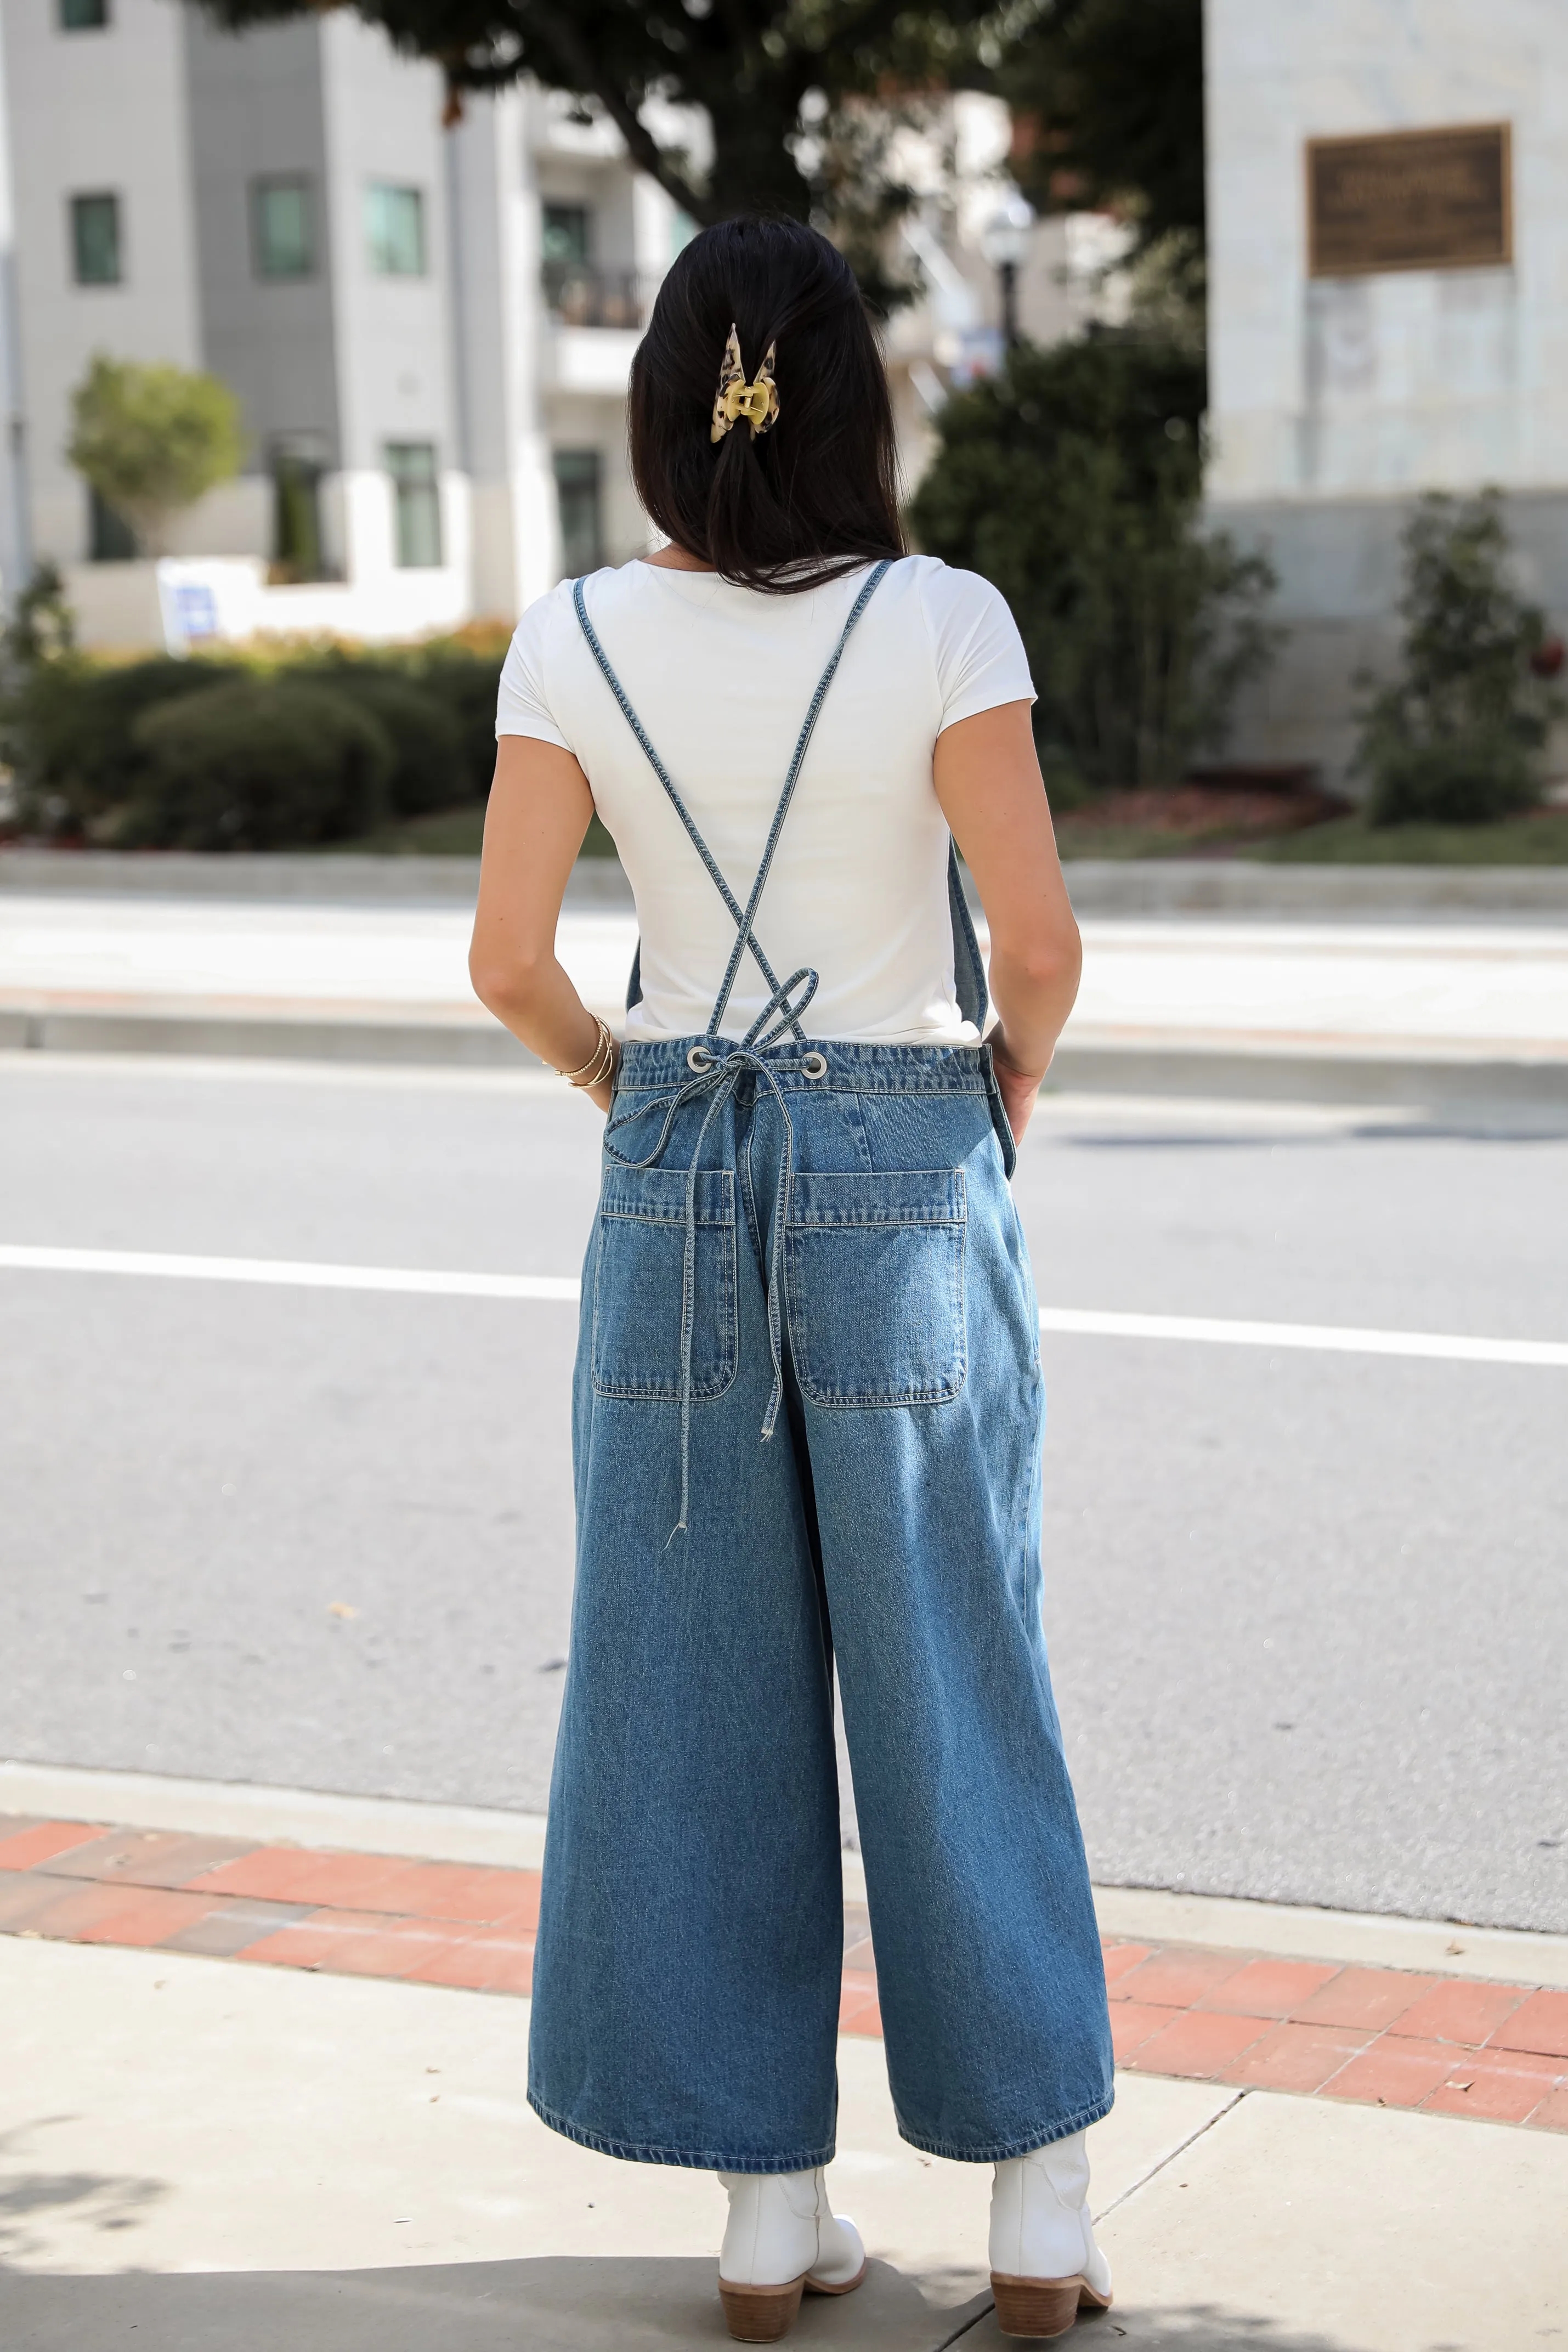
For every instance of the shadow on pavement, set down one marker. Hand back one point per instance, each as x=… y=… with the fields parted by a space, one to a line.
x=556 y=2304
x=1193 y=2327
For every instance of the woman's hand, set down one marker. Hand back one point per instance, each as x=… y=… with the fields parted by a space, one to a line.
x=1020 y=1089
x=604 y=1091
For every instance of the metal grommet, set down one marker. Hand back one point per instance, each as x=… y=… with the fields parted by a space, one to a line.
x=699 y=1059
x=815 y=1065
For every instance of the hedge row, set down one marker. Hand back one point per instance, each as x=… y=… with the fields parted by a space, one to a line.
x=226 y=752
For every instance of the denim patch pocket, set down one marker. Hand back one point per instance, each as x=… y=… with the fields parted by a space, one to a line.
x=876 y=1286
x=637 y=1283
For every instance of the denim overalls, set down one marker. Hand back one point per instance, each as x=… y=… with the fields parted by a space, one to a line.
x=807 y=1425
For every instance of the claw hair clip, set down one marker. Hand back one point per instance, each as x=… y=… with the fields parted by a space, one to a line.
x=758 y=402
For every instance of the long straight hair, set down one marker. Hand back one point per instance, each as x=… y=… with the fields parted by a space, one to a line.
x=816 y=496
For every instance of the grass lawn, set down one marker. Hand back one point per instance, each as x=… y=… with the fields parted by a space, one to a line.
x=1540 y=839
x=447 y=832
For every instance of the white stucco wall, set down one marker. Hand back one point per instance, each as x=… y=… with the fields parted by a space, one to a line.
x=91 y=112
x=1380 y=385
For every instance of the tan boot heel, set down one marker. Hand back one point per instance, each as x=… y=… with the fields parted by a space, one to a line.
x=1041 y=2307
x=761 y=2314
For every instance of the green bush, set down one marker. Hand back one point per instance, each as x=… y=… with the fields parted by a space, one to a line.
x=69 y=734
x=428 y=770
x=1452 y=740
x=256 y=764
x=1071 y=480
x=462 y=678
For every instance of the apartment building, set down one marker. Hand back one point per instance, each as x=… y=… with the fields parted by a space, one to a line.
x=429 y=327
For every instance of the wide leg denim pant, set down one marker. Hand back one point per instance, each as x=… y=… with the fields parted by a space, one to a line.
x=686 y=1979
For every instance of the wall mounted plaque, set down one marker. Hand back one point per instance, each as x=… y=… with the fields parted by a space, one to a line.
x=1409 y=200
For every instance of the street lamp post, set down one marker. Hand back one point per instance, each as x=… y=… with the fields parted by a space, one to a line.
x=1004 y=241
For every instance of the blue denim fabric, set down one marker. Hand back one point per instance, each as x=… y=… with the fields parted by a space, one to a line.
x=687 y=1977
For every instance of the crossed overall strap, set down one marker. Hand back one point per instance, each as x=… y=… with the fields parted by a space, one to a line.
x=716 y=1065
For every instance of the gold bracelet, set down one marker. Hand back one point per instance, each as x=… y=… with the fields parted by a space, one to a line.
x=605 y=1060
x=599 y=1063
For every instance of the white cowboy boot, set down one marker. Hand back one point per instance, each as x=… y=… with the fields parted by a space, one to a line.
x=783 y=2237
x=1044 y=2259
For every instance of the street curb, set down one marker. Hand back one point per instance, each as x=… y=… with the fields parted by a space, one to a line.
x=486 y=1835
x=1101 y=886
x=1349 y=1073
x=471 y=1043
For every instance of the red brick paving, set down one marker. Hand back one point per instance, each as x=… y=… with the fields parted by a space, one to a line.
x=1294 y=2057
x=1539 y=2023
x=1196 y=2043
x=1268 y=1987
x=1394 y=2073
x=1372 y=1997
x=1448 y=2045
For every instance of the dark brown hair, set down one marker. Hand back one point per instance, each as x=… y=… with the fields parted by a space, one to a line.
x=818 y=495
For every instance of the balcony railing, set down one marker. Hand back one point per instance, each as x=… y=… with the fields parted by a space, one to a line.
x=582 y=297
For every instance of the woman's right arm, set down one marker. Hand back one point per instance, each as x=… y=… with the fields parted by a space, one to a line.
x=539 y=813
x=988 y=782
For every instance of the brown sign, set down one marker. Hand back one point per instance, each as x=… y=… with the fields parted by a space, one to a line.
x=1409 y=200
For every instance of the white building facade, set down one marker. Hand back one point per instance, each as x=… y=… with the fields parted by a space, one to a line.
x=1389 y=271
x=430 y=327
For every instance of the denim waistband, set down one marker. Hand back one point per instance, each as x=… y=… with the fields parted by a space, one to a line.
x=822 y=1065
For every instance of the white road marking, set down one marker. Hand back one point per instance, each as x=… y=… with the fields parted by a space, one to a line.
x=1327 y=1339
x=1324 y=1338
x=290 y=1273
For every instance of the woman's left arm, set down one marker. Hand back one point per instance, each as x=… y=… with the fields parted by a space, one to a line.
x=540 y=809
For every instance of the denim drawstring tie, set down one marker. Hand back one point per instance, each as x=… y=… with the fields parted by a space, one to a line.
x=716 y=1065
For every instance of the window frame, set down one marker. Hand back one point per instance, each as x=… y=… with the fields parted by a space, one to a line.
x=268 y=183
x=588 y=463
x=75 y=215
x=380 y=234
x=405 y=488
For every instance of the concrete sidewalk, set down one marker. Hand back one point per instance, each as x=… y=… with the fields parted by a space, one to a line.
x=286 y=2146
x=228 y=2159
x=1355 y=1010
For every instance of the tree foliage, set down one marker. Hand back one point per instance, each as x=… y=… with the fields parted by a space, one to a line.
x=1073 y=481
x=1452 y=739
x=1109 y=99
x=750 y=66
x=151 y=439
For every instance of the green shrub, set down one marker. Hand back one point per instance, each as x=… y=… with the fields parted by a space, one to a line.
x=1452 y=739
x=256 y=764
x=1071 y=480
x=426 y=741
x=69 y=733
x=69 y=729
x=462 y=678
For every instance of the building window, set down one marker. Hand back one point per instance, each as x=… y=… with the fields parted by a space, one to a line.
x=394 y=230
x=417 y=502
x=283 y=228
x=84 y=15
x=566 y=250
x=579 y=496
x=111 y=539
x=95 y=240
x=295 y=516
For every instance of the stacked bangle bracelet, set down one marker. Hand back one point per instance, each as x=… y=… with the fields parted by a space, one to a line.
x=599 y=1064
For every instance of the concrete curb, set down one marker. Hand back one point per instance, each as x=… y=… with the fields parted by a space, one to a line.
x=1152 y=885
x=1346 y=1075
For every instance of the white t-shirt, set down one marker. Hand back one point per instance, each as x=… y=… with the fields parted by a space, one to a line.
x=721 y=678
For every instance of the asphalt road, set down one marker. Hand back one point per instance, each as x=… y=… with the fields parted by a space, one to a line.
x=1308 y=1613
